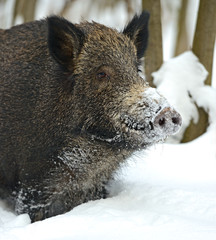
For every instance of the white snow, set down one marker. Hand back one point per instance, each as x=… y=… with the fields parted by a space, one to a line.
x=167 y=192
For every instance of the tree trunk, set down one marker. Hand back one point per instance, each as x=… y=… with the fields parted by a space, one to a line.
x=66 y=7
x=182 y=35
x=154 y=53
x=195 y=130
x=25 y=9
x=203 y=48
x=204 y=39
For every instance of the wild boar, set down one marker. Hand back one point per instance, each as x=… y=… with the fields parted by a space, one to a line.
x=73 y=106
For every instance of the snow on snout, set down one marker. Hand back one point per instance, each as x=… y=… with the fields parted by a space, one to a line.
x=154 y=99
x=165 y=120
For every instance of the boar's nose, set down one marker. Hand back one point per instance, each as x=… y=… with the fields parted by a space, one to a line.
x=168 y=121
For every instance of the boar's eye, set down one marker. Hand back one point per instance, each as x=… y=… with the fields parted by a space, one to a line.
x=102 y=75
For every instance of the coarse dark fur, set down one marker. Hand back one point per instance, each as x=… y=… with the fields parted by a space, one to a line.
x=71 y=111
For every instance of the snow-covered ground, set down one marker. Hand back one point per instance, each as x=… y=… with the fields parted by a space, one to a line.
x=166 y=192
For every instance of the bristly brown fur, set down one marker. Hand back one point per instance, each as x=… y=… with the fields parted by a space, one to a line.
x=72 y=109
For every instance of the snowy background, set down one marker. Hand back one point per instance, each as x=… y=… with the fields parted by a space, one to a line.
x=167 y=192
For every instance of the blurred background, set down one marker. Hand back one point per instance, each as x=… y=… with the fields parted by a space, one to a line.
x=178 y=17
x=175 y=26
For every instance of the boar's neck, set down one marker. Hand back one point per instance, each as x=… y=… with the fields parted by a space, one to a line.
x=94 y=151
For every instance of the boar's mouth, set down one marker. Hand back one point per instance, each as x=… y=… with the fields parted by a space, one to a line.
x=163 y=123
x=133 y=124
x=146 y=131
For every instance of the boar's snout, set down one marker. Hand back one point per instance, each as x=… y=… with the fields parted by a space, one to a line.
x=149 y=118
x=167 y=121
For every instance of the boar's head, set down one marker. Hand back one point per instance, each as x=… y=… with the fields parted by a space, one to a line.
x=111 y=101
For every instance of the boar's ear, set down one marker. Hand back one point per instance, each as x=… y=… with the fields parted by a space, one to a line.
x=65 y=41
x=137 y=31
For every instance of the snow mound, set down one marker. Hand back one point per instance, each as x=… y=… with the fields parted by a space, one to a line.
x=181 y=81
